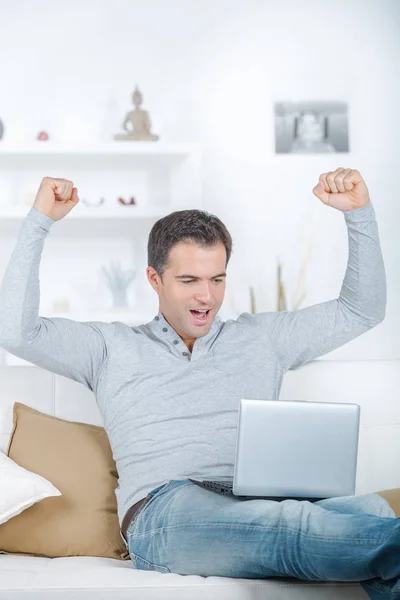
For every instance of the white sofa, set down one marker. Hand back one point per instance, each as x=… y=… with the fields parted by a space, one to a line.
x=374 y=385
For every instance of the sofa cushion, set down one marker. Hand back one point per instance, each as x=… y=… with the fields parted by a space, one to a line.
x=77 y=459
x=87 y=578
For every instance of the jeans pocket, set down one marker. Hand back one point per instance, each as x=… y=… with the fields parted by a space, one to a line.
x=148 y=499
x=144 y=565
x=133 y=537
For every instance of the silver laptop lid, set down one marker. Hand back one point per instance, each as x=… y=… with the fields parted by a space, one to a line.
x=295 y=448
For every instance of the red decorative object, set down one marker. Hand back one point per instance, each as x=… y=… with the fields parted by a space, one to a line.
x=122 y=201
x=43 y=135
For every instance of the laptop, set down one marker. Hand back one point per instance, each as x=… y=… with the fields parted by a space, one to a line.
x=292 y=449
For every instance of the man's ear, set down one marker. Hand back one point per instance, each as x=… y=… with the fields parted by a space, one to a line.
x=153 y=278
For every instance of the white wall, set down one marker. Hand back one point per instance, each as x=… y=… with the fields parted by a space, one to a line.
x=210 y=71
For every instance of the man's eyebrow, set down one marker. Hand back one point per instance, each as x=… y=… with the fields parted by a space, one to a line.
x=194 y=276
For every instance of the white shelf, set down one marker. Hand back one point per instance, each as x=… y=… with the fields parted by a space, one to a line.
x=161 y=176
x=104 y=148
x=124 y=212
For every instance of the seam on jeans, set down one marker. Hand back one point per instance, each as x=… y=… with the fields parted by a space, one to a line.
x=153 y=566
x=198 y=526
x=376 y=585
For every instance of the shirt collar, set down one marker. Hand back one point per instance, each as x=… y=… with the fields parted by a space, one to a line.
x=164 y=331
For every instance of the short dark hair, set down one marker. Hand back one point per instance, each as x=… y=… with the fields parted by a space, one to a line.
x=196 y=226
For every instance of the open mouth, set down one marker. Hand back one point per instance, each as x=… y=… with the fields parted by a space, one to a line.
x=200 y=317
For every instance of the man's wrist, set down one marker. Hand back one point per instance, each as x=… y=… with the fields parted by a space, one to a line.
x=40 y=218
x=363 y=213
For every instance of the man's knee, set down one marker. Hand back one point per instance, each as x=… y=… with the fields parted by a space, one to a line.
x=392 y=497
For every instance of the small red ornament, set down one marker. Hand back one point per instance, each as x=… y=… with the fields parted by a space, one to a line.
x=131 y=201
x=43 y=136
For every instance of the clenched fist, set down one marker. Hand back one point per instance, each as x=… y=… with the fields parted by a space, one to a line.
x=343 y=189
x=56 y=197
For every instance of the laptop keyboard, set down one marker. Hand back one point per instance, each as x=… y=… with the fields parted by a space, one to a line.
x=213 y=485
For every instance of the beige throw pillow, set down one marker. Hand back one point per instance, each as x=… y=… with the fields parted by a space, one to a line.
x=392 y=497
x=77 y=459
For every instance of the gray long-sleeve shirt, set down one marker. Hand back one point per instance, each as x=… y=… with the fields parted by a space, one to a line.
x=170 y=413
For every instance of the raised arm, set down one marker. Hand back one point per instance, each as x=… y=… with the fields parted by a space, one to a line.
x=76 y=350
x=301 y=336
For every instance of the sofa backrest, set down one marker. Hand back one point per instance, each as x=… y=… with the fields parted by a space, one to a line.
x=373 y=384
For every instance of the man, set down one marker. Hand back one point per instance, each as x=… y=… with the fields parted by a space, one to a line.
x=169 y=391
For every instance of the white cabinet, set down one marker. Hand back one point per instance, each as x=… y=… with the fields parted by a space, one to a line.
x=161 y=177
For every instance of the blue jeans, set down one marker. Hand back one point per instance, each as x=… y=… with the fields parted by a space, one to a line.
x=183 y=528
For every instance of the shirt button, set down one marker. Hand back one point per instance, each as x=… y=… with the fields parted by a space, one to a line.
x=176 y=342
x=157 y=318
x=184 y=353
x=165 y=329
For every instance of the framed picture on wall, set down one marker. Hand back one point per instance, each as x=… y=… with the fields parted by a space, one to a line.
x=311 y=127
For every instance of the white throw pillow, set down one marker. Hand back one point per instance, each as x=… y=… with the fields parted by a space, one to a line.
x=20 y=489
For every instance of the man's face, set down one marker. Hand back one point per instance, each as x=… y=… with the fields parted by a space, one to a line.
x=194 y=279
